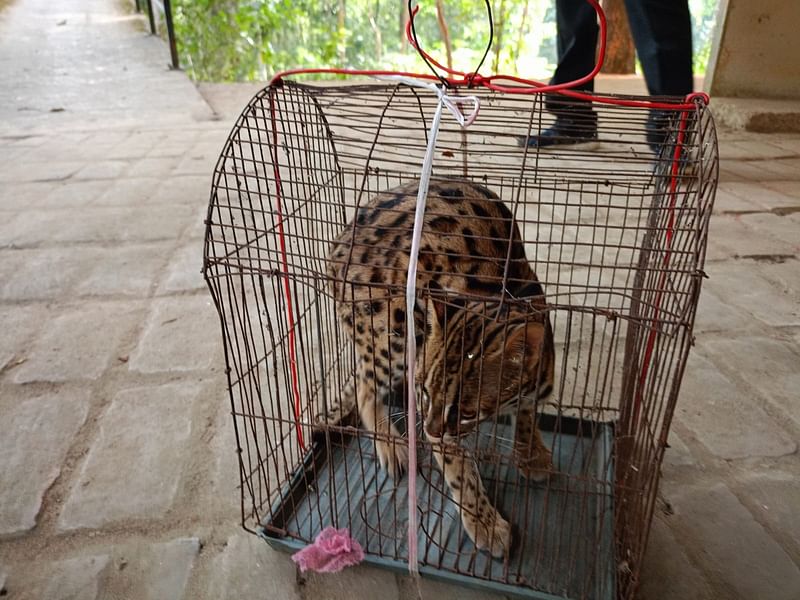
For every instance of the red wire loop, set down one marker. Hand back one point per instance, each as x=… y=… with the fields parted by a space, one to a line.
x=522 y=85
x=699 y=98
x=473 y=79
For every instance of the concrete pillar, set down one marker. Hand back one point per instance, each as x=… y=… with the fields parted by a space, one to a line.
x=756 y=52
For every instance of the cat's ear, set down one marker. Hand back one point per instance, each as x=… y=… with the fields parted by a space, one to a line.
x=441 y=307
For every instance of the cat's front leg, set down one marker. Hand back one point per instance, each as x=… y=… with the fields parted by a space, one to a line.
x=373 y=399
x=482 y=521
x=534 y=459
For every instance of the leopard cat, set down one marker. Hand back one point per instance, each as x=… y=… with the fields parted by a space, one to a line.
x=476 y=357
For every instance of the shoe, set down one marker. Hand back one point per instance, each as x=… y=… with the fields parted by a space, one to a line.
x=662 y=129
x=564 y=132
x=658 y=127
x=662 y=138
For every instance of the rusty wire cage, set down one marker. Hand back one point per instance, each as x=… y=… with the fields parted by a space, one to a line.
x=616 y=235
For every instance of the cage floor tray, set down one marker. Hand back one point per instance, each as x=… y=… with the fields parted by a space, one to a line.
x=563 y=529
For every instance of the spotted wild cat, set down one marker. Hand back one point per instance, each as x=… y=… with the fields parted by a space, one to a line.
x=477 y=356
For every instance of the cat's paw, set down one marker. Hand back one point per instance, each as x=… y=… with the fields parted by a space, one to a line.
x=393 y=454
x=491 y=533
x=538 y=466
x=336 y=412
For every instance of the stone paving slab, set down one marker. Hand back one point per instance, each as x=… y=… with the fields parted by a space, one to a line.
x=669 y=574
x=140 y=571
x=774 y=226
x=223 y=478
x=787 y=189
x=761 y=147
x=677 y=454
x=21 y=170
x=370 y=582
x=769 y=196
x=767 y=366
x=784 y=274
x=741 y=284
x=184 y=271
x=733 y=198
x=774 y=496
x=152 y=571
x=183 y=188
x=19 y=326
x=740 y=556
x=425 y=589
x=43 y=274
x=748 y=170
x=727 y=419
x=157 y=166
x=79 y=343
x=247 y=568
x=72 y=194
x=131 y=472
x=126 y=271
x=55 y=194
x=37 y=434
x=784 y=168
x=180 y=335
x=129 y=191
x=101 y=225
x=70 y=579
x=740 y=238
x=716 y=315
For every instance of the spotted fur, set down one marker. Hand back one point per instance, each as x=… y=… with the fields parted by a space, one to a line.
x=484 y=347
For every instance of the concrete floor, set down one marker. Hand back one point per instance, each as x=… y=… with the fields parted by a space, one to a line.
x=117 y=464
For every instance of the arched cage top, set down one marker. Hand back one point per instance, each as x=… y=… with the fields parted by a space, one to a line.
x=591 y=219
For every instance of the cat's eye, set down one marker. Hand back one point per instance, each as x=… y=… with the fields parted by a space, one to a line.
x=470 y=355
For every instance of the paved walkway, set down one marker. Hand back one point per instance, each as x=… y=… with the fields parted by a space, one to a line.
x=117 y=470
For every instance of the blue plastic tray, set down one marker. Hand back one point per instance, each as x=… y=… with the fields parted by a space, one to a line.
x=563 y=530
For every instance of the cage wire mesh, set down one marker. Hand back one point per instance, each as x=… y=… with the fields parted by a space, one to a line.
x=312 y=193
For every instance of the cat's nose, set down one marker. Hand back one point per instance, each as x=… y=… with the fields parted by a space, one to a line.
x=434 y=426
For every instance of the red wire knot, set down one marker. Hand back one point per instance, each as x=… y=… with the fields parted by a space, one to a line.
x=473 y=79
x=699 y=97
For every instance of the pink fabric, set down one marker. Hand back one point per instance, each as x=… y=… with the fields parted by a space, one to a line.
x=332 y=551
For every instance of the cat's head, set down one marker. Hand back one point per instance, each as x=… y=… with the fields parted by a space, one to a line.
x=479 y=359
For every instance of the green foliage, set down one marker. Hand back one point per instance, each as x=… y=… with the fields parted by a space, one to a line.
x=704 y=20
x=250 y=40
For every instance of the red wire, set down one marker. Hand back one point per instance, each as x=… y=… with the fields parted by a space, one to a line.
x=527 y=86
x=413 y=43
x=286 y=289
x=475 y=78
x=651 y=339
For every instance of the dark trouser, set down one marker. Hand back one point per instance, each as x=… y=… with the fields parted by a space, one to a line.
x=662 y=32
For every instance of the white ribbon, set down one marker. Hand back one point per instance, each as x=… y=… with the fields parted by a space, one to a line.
x=451 y=102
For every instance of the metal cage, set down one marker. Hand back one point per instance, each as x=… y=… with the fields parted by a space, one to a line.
x=616 y=234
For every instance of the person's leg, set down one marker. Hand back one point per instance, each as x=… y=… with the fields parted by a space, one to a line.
x=576 y=122
x=662 y=32
x=576 y=23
